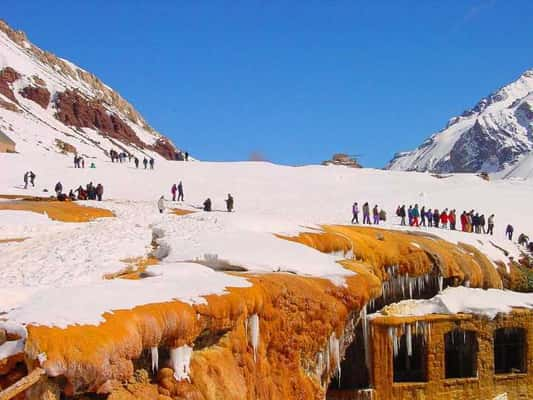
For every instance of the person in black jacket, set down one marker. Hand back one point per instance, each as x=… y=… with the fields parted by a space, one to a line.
x=207 y=204
x=59 y=188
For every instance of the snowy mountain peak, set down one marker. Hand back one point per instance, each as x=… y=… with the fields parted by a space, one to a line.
x=46 y=100
x=495 y=136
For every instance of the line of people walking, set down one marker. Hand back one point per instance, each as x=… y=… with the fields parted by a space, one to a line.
x=90 y=192
x=377 y=214
x=29 y=177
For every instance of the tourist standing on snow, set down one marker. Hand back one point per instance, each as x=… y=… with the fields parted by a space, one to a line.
x=136 y=162
x=207 y=204
x=410 y=215
x=26 y=177
x=145 y=162
x=229 y=203
x=509 y=232
x=452 y=219
x=429 y=217
x=99 y=191
x=161 y=204
x=444 y=219
x=355 y=213
x=382 y=215
x=415 y=215
x=32 y=178
x=59 y=188
x=173 y=190
x=482 y=223
x=436 y=217
x=152 y=163
x=490 y=229
x=180 y=192
x=366 y=214
x=423 y=216
x=402 y=215
x=375 y=215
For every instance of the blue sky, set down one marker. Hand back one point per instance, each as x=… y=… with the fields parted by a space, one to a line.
x=293 y=80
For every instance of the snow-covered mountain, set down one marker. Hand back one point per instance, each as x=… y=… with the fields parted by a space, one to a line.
x=494 y=136
x=48 y=104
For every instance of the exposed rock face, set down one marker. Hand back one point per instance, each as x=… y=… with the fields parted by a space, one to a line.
x=40 y=95
x=79 y=100
x=7 y=76
x=65 y=147
x=343 y=159
x=495 y=135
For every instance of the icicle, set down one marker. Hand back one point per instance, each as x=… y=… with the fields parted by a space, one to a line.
x=395 y=342
x=320 y=364
x=409 y=340
x=253 y=333
x=180 y=359
x=410 y=282
x=334 y=351
x=441 y=283
x=155 y=359
x=467 y=283
x=366 y=338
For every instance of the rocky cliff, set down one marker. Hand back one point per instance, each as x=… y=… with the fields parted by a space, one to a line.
x=494 y=136
x=44 y=98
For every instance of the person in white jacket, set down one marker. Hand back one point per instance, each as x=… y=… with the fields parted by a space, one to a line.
x=161 y=204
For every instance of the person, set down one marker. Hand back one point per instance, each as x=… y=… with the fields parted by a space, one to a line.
x=59 y=188
x=482 y=223
x=145 y=162
x=26 y=177
x=229 y=203
x=436 y=216
x=477 y=224
x=429 y=217
x=530 y=247
x=152 y=163
x=161 y=204
x=523 y=239
x=207 y=204
x=136 y=162
x=402 y=215
x=366 y=214
x=410 y=215
x=99 y=191
x=463 y=221
x=93 y=165
x=82 y=162
x=444 y=219
x=509 y=232
x=76 y=161
x=416 y=214
x=375 y=215
x=452 y=219
x=382 y=215
x=186 y=156
x=490 y=221
x=173 y=190
x=355 y=213
x=71 y=195
x=180 y=191
x=423 y=216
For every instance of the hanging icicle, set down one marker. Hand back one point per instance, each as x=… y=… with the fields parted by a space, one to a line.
x=441 y=283
x=180 y=359
x=155 y=359
x=253 y=333
x=409 y=340
x=334 y=351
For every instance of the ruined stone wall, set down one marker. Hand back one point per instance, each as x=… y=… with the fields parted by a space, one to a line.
x=486 y=385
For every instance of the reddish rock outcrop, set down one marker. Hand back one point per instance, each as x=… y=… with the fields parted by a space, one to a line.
x=7 y=76
x=39 y=95
x=76 y=110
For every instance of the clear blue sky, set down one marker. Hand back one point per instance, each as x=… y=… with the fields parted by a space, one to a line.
x=294 y=80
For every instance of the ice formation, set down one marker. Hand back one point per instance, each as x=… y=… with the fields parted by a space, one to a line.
x=253 y=333
x=155 y=358
x=180 y=359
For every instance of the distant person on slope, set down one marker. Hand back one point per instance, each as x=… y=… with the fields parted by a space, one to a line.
x=402 y=215
x=161 y=204
x=26 y=177
x=452 y=219
x=429 y=217
x=490 y=229
x=415 y=215
x=58 y=189
x=375 y=215
x=444 y=219
x=366 y=214
x=136 y=162
x=152 y=163
x=99 y=191
x=355 y=213
x=32 y=178
x=180 y=192
x=207 y=204
x=410 y=215
x=145 y=162
x=423 y=216
x=229 y=203
x=173 y=191
x=509 y=232
x=382 y=215
x=436 y=217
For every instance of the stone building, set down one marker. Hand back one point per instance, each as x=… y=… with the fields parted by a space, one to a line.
x=438 y=357
x=6 y=144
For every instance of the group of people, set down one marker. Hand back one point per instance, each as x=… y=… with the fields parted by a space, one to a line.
x=90 y=192
x=79 y=161
x=29 y=177
x=377 y=214
x=523 y=240
x=207 y=205
x=177 y=189
x=119 y=157
x=229 y=204
x=447 y=219
x=145 y=163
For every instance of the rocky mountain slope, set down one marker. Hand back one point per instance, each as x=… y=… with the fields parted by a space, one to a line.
x=494 y=136
x=50 y=104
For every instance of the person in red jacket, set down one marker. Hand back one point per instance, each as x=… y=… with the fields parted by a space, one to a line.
x=444 y=219
x=452 y=219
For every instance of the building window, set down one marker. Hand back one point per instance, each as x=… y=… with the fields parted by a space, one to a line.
x=410 y=358
x=460 y=354
x=510 y=350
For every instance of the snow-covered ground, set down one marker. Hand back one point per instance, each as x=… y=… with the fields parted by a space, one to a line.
x=68 y=260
